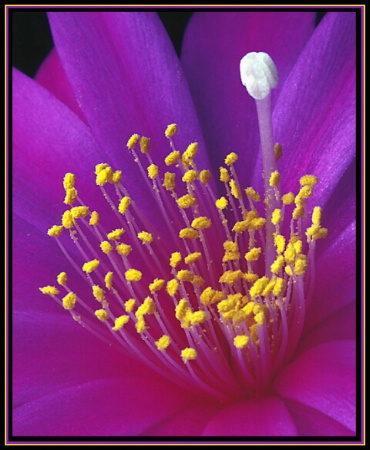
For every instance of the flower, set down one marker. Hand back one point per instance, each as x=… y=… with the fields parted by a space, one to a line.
x=115 y=74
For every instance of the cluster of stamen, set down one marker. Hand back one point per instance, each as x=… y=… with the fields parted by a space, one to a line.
x=216 y=300
x=211 y=305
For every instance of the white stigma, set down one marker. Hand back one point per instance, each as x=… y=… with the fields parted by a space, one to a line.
x=258 y=74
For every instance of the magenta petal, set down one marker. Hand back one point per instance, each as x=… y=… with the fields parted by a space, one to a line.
x=213 y=47
x=107 y=407
x=335 y=277
x=311 y=422
x=188 y=422
x=266 y=416
x=126 y=77
x=53 y=78
x=315 y=116
x=323 y=378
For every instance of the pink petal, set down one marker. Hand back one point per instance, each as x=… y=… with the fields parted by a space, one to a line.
x=116 y=406
x=315 y=116
x=188 y=422
x=213 y=46
x=126 y=77
x=266 y=416
x=335 y=277
x=311 y=422
x=53 y=78
x=323 y=378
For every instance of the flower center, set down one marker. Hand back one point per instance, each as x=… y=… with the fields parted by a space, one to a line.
x=215 y=301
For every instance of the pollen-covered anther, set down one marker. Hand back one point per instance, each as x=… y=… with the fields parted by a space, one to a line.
x=189 y=233
x=94 y=218
x=123 y=249
x=201 y=223
x=198 y=317
x=205 y=176
x=298 y=212
x=288 y=198
x=67 y=220
x=153 y=171
x=252 y=194
x=258 y=74
x=71 y=195
x=189 y=154
x=49 y=290
x=133 y=141
x=235 y=190
x=316 y=216
x=276 y=216
x=190 y=176
x=308 y=180
x=253 y=254
x=172 y=287
x=231 y=158
x=186 y=201
x=144 y=145
x=175 y=259
x=241 y=341
x=279 y=242
x=120 y=322
x=277 y=265
x=278 y=151
x=274 y=179
x=102 y=315
x=169 y=182
x=300 y=265
x=260 y=318
x=55 y=231
x=163 y=343
x=192 y=257
x=90 y=266
x=140 y=325
x=108 y=280
x=69 y=180
x=133 y=275
x=210 y=296
x=224 y=175
x=79 y=211
x=130 y=305
x=98 y=293
x=185 y=275
x=115 y=235
x=69 y=301
x=147 y=307
x=172 y=158
x=62 y=279
x=258 y=223
x=304 y=193
x=104 y=176
x=145 y=237
x=231 y=277
x=188 y=354
x=156 y=285
x=124 y=204
x=221 y=203
x=258 y=287
x=171 y=130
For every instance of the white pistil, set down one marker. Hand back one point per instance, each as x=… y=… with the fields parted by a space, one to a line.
x=259 y=75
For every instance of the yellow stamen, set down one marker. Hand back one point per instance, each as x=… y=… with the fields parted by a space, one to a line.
x=69 y=181
x=316 y=216
x=79 y=211
x=102 y=315
x=279 y=242
x=186 y=201
x=278 y=151
x=172 y=158
x=288 y=198
x=153 y=171
x=241 y=341
x=309 y=180
x=175 y=259
x=130 y=305
x=253 y=254
x=94 y=219
x=133 y=141
x=221 y=203
x=123 y=249
x=163 y=343
x=120 y=322
x=274 y=179
x=106 y=247
x=145 y=237
x=55 y=231
x=67 y=220
x=188 y=354
x=62 y=279
x=49 y=290
x=231 y=158
x=201 y=223
x=172 y=287
x=144 y=145
x=69 y=301
x=185 y=275
x=115 y=235
x=252 y=194
x=205 y=176
x=108 y=279
x=188 y=233
x=235 y=191
x=156 y=285
x=224 y=175
x=98 y=293
x=192 y=257
x=276 y=216
x=90 y=266
x=169 y=181
x=124 y=204
x=171 y=130
x=71 y=195
x=133 y=275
